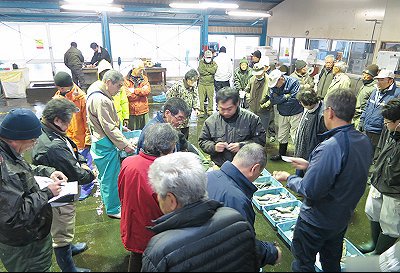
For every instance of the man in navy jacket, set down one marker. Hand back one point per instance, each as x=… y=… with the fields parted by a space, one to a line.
x=233 y=186
x=333 y=184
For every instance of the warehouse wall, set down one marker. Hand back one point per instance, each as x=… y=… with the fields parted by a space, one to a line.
x=330 y=19
x=337 y=19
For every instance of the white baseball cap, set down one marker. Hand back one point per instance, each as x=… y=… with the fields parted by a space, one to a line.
x=258 y=69
x=274 y=77
x=385 y=73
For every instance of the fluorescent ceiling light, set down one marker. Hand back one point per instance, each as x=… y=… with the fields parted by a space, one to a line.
x=254 y=14
x=97 y=8
x=90 y=1
x=204 y=5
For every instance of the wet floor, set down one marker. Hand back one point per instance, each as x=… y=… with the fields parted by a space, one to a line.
x=106 y=252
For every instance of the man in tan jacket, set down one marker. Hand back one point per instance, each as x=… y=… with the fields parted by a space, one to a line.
x=107 y=139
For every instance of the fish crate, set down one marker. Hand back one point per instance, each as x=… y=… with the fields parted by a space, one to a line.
x=264 y=182
x=259 y=204
x=269 y=210
x=349 y=251
x=133 y=137
x=285 y=230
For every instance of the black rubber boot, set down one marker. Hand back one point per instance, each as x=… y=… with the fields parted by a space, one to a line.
x=282 y=151
x=384 y=243
x=375 y=231
x=65 y=261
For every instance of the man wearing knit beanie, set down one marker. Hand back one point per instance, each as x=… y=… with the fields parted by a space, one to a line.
x=365 y=91
x=78 y=130
x=301 y=73
x=25 y=221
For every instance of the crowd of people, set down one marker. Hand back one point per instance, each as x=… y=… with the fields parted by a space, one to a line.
x=175 y=216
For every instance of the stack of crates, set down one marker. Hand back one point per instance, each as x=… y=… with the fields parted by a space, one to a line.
x=285 y=225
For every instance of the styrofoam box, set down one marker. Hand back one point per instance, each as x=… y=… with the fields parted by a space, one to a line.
x=128 y=135
x=286 y=231
x=266 y=210
x=272 y=191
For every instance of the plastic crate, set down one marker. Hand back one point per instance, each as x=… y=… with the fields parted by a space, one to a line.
x=351 y=251
x=130 y=135
x=269 y=180
x=160 y=98
x=274 y=191
x=267 y=209
x=285 y=230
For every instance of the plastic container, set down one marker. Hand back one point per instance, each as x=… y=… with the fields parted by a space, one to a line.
x=130 y=135
x=285 y=230
x=351 y=251
x=273 y=191
x=267 y=209
x=160 y=98
x=268 y=182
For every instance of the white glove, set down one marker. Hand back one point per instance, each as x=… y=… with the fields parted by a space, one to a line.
x=242 y=94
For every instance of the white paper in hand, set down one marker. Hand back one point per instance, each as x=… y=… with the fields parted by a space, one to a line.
x=287 y=159
x=66 y=188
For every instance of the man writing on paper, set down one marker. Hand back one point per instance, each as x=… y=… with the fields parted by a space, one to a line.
x=57 y=150
x=25 y=216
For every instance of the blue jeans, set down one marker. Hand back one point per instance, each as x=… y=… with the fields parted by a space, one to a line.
x=308 y=240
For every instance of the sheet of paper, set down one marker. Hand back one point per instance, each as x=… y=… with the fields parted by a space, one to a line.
x=287 y=158
x=66 y=188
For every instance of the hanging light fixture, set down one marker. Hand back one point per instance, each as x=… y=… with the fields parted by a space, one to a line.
x=249 y=13
x=203 y=5
x=87 y=5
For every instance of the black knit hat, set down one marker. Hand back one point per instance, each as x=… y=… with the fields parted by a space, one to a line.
x=63 y=79
x=257 y=54
x=222 y=49
x=20 y=124
x=372 y=70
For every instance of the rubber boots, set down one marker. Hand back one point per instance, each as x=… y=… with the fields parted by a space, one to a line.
x=282 y=151
x=375 y=231
x=65 y=261
x=384 y=243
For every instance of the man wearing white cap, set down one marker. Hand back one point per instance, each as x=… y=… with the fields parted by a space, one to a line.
x=283 y=93
x=371 y=120
x=257 y=92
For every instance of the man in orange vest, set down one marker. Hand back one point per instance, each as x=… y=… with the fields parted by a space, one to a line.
x=78 y=130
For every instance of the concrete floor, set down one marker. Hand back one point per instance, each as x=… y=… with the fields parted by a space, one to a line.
x=106 y=252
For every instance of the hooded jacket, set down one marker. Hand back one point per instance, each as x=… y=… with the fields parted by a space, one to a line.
x=137 y=89
x=203 y=236
x=78 y=129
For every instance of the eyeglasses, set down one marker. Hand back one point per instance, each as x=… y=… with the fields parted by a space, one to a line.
x=179 y=118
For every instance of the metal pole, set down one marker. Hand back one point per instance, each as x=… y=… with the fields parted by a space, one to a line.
x=106 y=33
x=263 y=36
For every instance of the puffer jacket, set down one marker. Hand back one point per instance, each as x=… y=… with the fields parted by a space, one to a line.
x=241 y=78
x=386 y=170
x=78 y=129
x=287 y=106
x=137 y=90
x=371 y=119
x=207 y=72
x=244 y=127
x=203 y=236
x=51 y=150
x=25 y=214
x=73 y=58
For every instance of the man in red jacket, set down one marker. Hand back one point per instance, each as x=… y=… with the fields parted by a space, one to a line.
x=139 y=205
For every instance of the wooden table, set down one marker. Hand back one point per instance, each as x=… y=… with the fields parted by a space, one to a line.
x=157 y=75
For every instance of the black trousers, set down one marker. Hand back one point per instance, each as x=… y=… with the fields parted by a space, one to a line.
x=308 y=240
x=219 y=85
